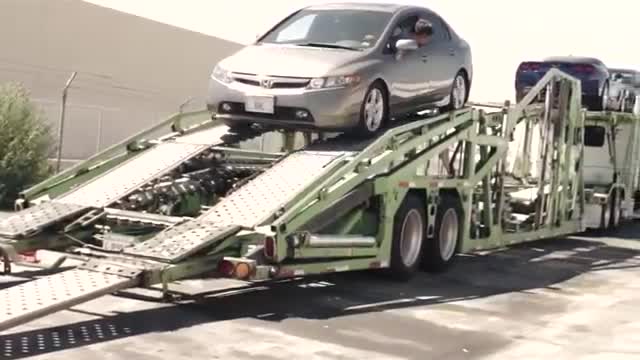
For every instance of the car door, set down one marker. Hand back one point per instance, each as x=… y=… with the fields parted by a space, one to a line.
x=404 y=70
x=439 y=59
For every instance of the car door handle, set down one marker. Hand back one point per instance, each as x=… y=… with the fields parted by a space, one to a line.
x=425 y=58
x=452 y=52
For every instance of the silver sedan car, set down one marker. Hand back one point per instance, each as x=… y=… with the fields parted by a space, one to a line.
x=345 y=67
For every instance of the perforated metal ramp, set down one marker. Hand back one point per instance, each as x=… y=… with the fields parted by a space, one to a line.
x=132 y=174
x=151 y=164
x=181 y=241
x=33 y=219
x=38 y=298
x=263 y=196
x=113 y=184
x=247 y=207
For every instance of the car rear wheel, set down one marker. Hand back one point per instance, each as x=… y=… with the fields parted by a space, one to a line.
x=604 y=98
x=373 y=111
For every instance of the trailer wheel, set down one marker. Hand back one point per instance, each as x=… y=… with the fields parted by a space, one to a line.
x=441 y=250
x=615 y=210
x=409 y=227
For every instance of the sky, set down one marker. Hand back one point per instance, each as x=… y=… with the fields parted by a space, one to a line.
x=502 y=33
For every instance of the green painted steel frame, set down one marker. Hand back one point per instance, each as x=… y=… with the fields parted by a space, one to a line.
x=393 y=160
x=393 y=163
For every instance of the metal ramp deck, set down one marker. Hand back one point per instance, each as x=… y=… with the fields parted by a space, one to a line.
x=247 y=207
x=31 y=220
x=113 y=184
x=254 y=202
x=37 y=298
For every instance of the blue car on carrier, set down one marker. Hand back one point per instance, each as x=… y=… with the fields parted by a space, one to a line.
x=593 y=74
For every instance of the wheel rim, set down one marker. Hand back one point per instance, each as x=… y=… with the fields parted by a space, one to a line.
x=374 y=109
x=459 y=92
x=411 y=238
x=448 y=236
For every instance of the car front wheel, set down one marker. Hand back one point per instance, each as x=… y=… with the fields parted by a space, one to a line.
x=458 y=95
x=373 y=111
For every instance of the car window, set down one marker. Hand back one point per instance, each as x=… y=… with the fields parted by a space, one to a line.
x=439 y=33
x=343 y=27
x=403 y=29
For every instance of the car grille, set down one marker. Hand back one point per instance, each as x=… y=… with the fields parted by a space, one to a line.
x=281 y=112
x=271 y=82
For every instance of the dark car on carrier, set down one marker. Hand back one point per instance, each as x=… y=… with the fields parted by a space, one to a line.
x=593 y=74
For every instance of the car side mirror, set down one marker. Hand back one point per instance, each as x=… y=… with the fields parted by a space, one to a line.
x=406 y=44
x=617 y=77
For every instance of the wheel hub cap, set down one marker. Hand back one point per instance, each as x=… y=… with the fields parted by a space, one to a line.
x=459 y=92
x=411 y=237
x=374 y=110
x=448 y=234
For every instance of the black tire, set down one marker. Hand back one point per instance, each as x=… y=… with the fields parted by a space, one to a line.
x=597 y=104
x=362 y=129
x=410 y=217
x=615 y=210
x=450 y=210
x=452 y=106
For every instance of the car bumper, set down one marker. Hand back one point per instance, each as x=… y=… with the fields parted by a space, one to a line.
x=326 y=109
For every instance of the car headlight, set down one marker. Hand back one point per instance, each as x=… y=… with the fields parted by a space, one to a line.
x=334 y=82
x=221 y=74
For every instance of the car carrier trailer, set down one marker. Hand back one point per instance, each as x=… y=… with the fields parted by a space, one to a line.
x=197 y=201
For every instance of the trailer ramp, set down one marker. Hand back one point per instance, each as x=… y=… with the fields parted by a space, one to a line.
x=256 y=201
x=247 y=207
x=33 y=219
x=38 y=298
x=113 y=184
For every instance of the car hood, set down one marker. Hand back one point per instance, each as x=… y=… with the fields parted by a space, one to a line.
x=288 y=60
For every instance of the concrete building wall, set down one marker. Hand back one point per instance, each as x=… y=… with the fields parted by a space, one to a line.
x=132 y=71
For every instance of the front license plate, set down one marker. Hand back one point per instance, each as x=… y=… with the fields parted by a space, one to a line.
x=260 y=104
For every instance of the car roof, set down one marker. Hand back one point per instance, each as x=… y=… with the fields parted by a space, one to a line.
x=386 y=7
x=573 y=59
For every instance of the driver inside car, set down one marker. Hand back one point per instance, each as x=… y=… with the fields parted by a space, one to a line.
x=423 y=31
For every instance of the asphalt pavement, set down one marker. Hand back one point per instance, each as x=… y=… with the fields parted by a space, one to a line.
x=576 y=298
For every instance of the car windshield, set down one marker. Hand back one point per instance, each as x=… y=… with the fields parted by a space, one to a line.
x=334 y=28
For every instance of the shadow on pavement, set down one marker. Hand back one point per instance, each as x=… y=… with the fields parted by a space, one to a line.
x=544 y=264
